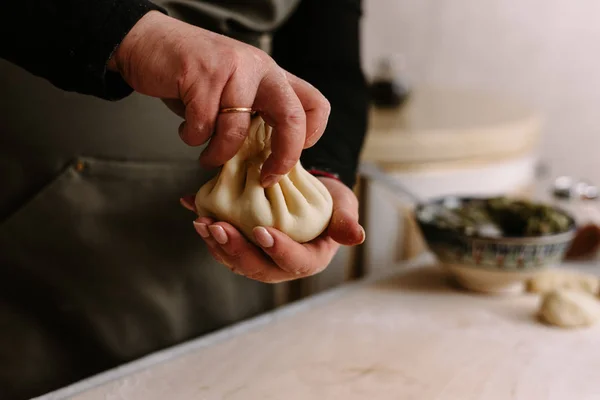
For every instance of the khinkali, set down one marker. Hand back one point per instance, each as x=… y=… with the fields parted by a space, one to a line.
x=299 y=205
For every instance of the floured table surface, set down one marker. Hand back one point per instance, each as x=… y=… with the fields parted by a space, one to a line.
x=408 y=336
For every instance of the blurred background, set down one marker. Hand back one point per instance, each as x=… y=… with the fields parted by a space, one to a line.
x=494 y=97
x=543 y=53
x=470 y=97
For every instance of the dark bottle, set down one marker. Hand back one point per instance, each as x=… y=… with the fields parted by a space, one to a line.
x=387 y=88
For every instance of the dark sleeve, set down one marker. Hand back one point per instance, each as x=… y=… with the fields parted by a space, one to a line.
x=320 y=44
x=69 y=42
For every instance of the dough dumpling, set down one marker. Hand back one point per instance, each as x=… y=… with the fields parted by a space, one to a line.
x=563 y=279
x=299 y=205
x=569 y=308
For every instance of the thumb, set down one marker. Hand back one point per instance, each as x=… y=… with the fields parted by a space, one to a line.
x=343 y=226
x=345 y=229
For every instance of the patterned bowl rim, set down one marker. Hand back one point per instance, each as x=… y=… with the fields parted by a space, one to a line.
x=556 y=238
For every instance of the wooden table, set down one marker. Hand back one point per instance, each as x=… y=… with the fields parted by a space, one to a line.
x=405 y=335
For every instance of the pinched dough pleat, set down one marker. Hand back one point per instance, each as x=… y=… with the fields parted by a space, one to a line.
x=299 y=205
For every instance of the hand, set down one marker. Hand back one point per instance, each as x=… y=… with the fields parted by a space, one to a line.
x=279 y=258
x=198 y=72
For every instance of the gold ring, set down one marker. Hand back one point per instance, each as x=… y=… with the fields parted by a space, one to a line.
x=236 y=110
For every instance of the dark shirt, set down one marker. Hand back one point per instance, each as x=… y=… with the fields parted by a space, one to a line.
x=88 y=278
x=69 y=43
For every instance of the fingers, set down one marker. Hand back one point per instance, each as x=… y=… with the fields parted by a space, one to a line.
x=206 y=71
x=198 y=125
x=277 y=257
x=231 y=131
x=231 y=128
x=201 y=226
x=280 y=260
x=247 y=259
x=188 y=202
x=316 y=107
x=296 y=111
x=280 y=107
x=239 y=255
x=201 y=110
x=297 y=259
x=344 y=227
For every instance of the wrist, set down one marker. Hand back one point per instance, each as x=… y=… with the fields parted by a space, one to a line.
x=141 y=29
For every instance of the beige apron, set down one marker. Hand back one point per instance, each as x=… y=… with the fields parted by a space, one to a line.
x=99 y=264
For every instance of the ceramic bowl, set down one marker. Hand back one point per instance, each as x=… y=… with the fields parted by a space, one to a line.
x=493 y=265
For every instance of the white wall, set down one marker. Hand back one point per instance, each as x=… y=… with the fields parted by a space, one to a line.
x=543 y=52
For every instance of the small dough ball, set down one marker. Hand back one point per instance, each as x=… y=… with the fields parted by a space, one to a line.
x=299 y=205
x=569 y=308
x=562 y=279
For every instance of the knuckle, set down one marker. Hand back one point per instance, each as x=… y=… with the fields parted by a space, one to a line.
x=325 y=106
x=258 y=275
x=235 y=58
x=219 y=77
x=198 y=130
x=193 y=113
x=235 y=256
x=236 y=134
x=197 y=116
x=294 y=117
x=298 y=266
x=259 y=58
x=286 y=164
x=215 y=70
x=314 y=264
x=254 y=54
x=273 y=75
x=187 y=70
x=306 y=269
x=193 y=137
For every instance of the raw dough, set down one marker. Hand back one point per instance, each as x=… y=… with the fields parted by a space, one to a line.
x=562 y=279
x=569 y=308
x=299 y=205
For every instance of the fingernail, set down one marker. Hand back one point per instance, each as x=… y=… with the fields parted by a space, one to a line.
x=363 y=235
x=201 y=229
x=270 y=180
x=263 y=237
x=218 y=233
x=186 y=204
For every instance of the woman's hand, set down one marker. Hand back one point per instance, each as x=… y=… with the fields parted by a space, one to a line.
x=279 y=258
x=197 y=72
